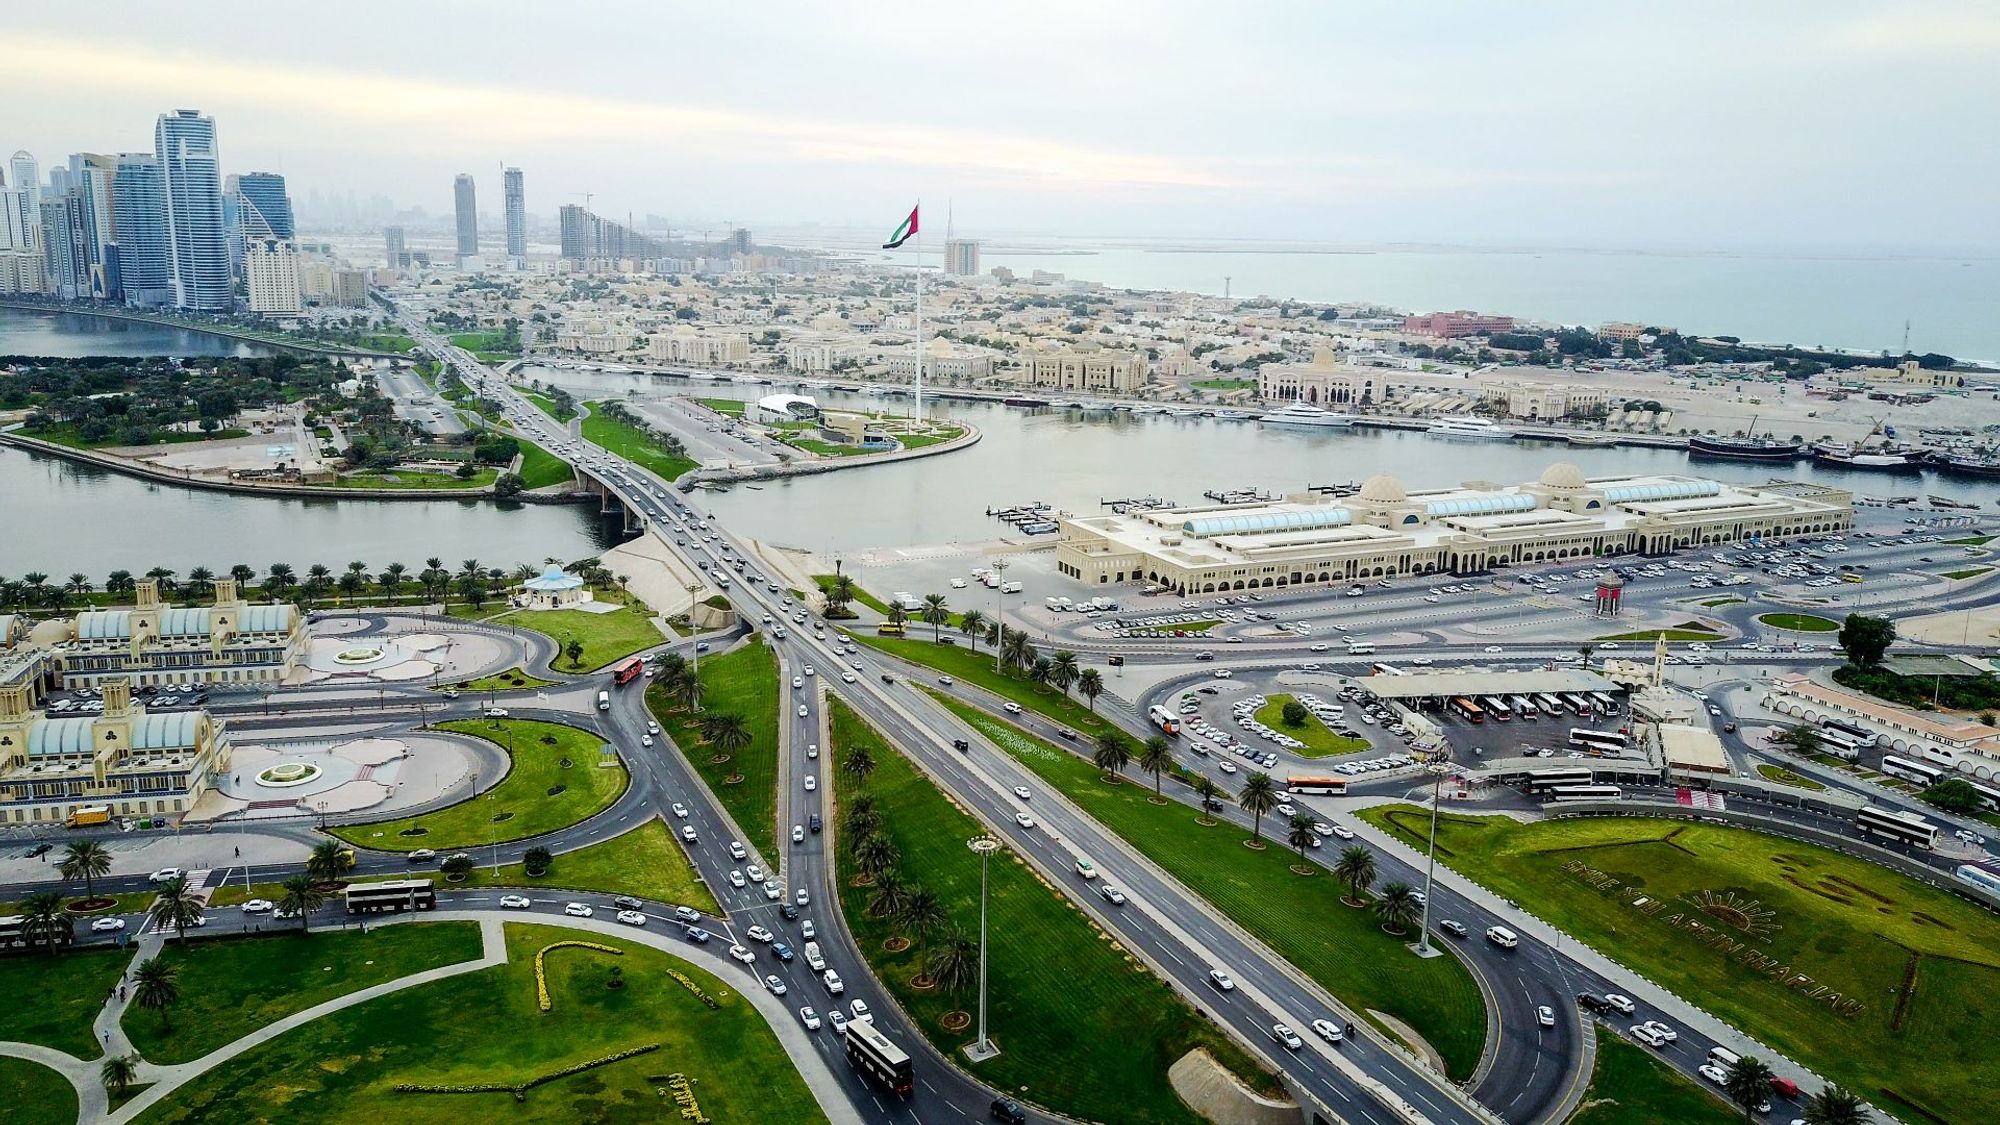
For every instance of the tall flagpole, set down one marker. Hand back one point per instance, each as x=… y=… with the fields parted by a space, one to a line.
x=917 y=413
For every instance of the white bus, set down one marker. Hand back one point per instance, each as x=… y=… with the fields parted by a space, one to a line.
x=1861 y=736
x=1497 y=706
x=1979 y=877
x=1920 y=772
x=1598 y=741
x=1840 y=744
x=1360 y=648
x=1562 y=793
x=1543 y=780
x=1906 y=827
x=1524 y=706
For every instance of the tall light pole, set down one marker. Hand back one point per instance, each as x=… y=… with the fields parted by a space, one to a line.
x=982 y=1049
x=1437 y=771
x=694 y=588
x=999 y=606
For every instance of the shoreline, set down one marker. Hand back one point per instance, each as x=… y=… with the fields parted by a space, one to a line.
x=224 y=331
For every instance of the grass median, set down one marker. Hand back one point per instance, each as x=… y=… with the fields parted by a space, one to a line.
x=1878 y=982
x=1083 y=1027
x=979 y=668
x=232 y=987
x=1799 y=622
x=744 y=682
x=1302 y=918
x=1630 y=1085
x=632 y=444
x=485 y=1028
x=553 y=780
x=540 y=468
x=1319 y=739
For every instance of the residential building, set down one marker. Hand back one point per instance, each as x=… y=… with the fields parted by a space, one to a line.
x=395 y=248
x=1454 y=324
x=517 y=216
x=1081 y=367
x=25 y=172
x=1386 y=530
x=465 y=199
x=1546 y=402
x=1620 y=332
x=151 y=644
x=577 y=228
x=264 y=210
x=91 y=180
x=961 y=257
x=699 y=347
x=126 y=759
x=145 y=255
x=943 y=359
x=65 y=265
x=271 y=277
x=197 y=250
x=348 y=288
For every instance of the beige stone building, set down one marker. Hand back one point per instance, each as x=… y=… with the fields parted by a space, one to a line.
x=700 y=347
x=1080 y=367
x=125 y=761
x=228 y=642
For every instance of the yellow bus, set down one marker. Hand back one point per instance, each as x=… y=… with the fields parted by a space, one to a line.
x=891 y=628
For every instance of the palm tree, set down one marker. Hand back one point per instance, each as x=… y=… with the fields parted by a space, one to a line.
x=1584 y=650
x=392 y=579
x=165 y=577
x=922 y=914
x=1356 y=868
x=935 y=615
x=156 y=984
x=1156 y=758
x=953 y=963
x=79 y=584
x=971 y=622
x=857 y=764
x=1090 y=685
x=840 y=591
x=860 y=818
x=200 y=582
x=731 y=735
x=686 y=690
x=1112 y=754
x=574 y=650
x=329 y=860
x=1042 y=671
x=1748 y=1084
x=118 y=1073
x=898 y=615
x=1301 y=835
x=318 y=579
x=1836 y=1105
x=242 y=573
x=1063 y=670
x=891 y=893
x=279 y=580
x=1015 y=651
x=85 y=860
x=44 y=919
x=1258 y=796
x=1397 y=907
x=302 y=897
x=176 y=908
x=350 y=584
x=119 y=582
x=1209 y=791
x=877 y=854
x=37 y=585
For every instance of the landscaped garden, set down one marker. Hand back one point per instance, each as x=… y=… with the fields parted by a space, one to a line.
x=555 y=780
x=390 y=479
x=742 y=682
x=540 y=468
x=606 y=637
x=1882 y=984
x=1690 y=631
x=1631 y=1086
x=1319 y=739
x=639 y=1026
x=67 y=992
x=980 y=668
x=513 y=679
x=1089 y=1033
x=1343 y=948
x=628 y=440
x=230 y=988
x=1783 y=776
x=1799 y=622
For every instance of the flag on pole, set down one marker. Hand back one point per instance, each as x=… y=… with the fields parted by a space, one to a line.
x=903 y=232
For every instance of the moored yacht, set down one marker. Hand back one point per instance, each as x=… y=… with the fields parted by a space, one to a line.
x=1304 y=415
x=1477 y=429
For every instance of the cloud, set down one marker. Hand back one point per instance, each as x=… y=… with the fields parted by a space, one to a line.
x=1905 y=31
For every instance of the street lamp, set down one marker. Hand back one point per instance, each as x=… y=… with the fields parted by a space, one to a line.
x=1000 y=603
x=982 y=1049
x=1437 y=772
x=694 y=588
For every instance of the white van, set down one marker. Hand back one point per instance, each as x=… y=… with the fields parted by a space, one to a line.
x=814 y=957
x=1086 y=869
x=1723 y=1057
x=604 y=701
x=1502 y=937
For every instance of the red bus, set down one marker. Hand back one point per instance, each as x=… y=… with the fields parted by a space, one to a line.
x=629 y=670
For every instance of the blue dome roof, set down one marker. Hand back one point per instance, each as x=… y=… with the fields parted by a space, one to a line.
x=553 y=580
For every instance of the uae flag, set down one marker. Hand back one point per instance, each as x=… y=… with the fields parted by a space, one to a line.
x=903 y=232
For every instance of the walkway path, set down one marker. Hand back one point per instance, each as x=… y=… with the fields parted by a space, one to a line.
x=94 y=1103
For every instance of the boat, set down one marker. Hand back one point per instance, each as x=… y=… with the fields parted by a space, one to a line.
x=1967 y=464
x=1755 y=447
x=1476 y=429
x=1590 y=439
x=1030 y=402
x=1306 y=416
x=1881 y=459
x=1947 y=502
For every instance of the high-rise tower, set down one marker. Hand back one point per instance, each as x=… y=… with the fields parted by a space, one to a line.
x=468 y=216
x=517 y=216
x=264 y=210
x=145 y=261
x=191 y=172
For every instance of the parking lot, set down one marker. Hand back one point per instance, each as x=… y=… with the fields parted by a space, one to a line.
x=89 y=701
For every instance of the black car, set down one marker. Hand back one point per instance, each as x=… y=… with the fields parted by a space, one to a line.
x=1009 y=1110
x=814 y=823
x=1590 y=1001
x=627 y=902
x=40 y=850
x=789 y=912
x=961 y=745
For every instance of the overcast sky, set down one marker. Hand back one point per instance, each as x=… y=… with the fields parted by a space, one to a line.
x=1599 y=123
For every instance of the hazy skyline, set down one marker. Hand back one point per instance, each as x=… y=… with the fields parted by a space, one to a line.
x=1787 y=124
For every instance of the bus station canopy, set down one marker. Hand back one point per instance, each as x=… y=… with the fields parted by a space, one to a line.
x=1430 y=685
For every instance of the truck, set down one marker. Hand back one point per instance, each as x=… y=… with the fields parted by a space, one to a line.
x=88 y=815
x=1010 y=587
x=905 y=601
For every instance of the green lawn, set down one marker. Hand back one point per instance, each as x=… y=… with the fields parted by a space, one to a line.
x=1972 y=572
x=35 y=1095
x=1803 y=915
x=1972 y=541
x=411 y=478
x=1651 y=635
x=743 y=681
x=1225 y=384
x=1799 y=622
x=1630 y=1086
x=919 y=441
x=1301 y=918
x=628 y=442
x=485 y=1027
x=68 y=991
x=1320 y=741
x=523 y=798
x=65 y=434
x=860 y=595
x=231 y=988
x=606 y=637
x=1089 y=1033
x=514 y=679
x=724 y=405
x=1730 y=600
x=959 y=661
x=545 y=404
x=484 y=344
x=540 y=468
x=826 y=448
x=384 y=341
x=1783 y=776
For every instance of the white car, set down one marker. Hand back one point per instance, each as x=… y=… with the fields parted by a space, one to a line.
x=1111 y=894
x=1666 y=1034
x=578 y=910
x=166 y=875
x=1647 y=1034
x=812 y=783
x=736 y=880
x=772 y=891
x=802 y=710
x=810 y=1018
x=1328 y=1030
x=1011 y=707
x=776 y=986
x=687 y=833
x=1713 y=1073
x=801 y=897
x=834 y=983
x=1341 y=831
x=736 y=850
x=738 y=953
x=107 y=925
x=755 y=872
x=861 y=1011
x=759 y=933
x=798 y=833
x=1024 y=820
x=257 y=906
x=847 y=677
x=1286 y=1036
x=515 y=902
x=1226 y=767
x=812 y=749
x=631 y=917
x=1221 y=980
x=837 y=1019
x=496 y=712
x=798 y=682
x=1622 y=1004
x=681 y=811
x=1223 y=673
x=1421 y=660
x=809 y=670
x=1545 y=1016
x=1495 y=648
x=1021 y=791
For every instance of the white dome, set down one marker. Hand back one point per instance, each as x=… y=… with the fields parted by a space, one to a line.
x=1384 y=489
x=1565 y=476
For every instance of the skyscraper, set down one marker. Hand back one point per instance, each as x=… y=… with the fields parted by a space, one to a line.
x=961 y=257
x=64 y=264
x=271 y=277
x=468 y=216
x=517 y=216
x=263 y=208
x=396 y=249
x=91 y=177
x=198 y=251
x=24 y=171
x=139 y=198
